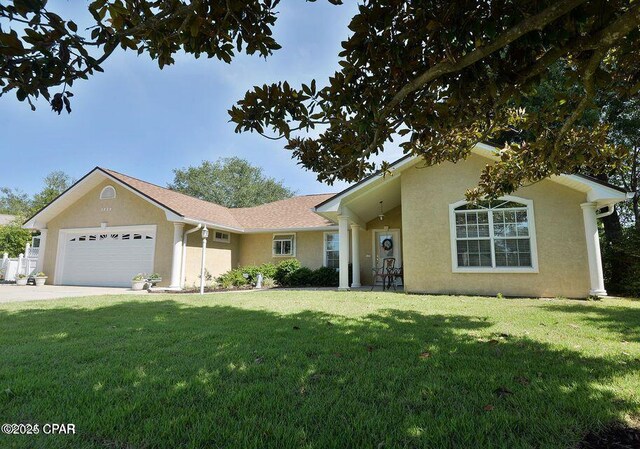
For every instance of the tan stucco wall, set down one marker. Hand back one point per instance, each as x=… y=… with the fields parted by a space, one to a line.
x=562 y=254
x=219 y=258
x=126 y=209
x=255 y=249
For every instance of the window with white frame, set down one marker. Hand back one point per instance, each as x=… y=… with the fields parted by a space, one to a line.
x=220 y=236
x=108 y=193
x=284 y=245
x=495 y=235
x=331 y=249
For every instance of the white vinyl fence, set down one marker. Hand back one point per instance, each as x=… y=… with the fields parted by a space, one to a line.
x=23 y=264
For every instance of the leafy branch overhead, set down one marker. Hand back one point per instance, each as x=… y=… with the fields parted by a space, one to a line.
x=51 y=51
x=439 y=75
x=444 y=75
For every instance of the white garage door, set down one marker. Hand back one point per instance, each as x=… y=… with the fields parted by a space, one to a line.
x=107 y=257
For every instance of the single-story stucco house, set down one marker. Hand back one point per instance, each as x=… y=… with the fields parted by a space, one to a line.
x=540 y=241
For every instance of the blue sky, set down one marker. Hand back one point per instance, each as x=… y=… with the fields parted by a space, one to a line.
x=142 y=121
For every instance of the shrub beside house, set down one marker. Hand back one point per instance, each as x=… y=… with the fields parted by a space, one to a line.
x=288 y=273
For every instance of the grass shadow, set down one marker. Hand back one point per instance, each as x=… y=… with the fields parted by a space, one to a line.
x=623 y=321
x=160 y=374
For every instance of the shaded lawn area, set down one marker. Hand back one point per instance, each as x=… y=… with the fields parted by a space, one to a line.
x=318 y=369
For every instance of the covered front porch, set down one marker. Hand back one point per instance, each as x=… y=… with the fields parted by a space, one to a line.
x=370 y=232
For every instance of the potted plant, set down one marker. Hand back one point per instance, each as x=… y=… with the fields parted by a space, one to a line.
x=40 y=279
x=21 y=279
x=138 y=281
x=154 y=279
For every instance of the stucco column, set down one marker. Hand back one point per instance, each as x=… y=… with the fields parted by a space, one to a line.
x=176 y=262
x=355 y=258
x=41 y=249
x=343 y=232
x=593 y=249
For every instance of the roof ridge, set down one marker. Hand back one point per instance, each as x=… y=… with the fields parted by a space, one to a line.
x=206 y=201
x=164 y=188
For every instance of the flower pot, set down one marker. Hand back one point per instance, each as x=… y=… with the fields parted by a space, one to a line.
x=137 y=285
x=40 y=280
x=154 y=281
x=22 y=281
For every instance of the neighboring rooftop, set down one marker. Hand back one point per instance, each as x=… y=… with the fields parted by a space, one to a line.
x=6 y=219
x=291 y=213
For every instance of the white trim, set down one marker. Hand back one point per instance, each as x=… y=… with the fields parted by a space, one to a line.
x=63 y=239
x=293 y=244
x=595 y=191
x=287 y=230
x=324 y=246
x=210 y=224
x=532 y=240
x=333 y=204
x=171 y=216
x=92 y=181
x=105 y=188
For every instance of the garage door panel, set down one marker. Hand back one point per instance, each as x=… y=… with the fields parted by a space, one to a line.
x=107 y=256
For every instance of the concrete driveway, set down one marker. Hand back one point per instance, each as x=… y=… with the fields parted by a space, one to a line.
x=13 y=293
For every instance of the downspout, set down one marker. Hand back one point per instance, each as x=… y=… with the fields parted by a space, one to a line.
x=609 y=211
x=183 y=268
x=205 y=234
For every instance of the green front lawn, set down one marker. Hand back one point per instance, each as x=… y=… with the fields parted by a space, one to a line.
x=318 y=370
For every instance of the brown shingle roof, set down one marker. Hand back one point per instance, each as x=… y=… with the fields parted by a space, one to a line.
x=293 y=212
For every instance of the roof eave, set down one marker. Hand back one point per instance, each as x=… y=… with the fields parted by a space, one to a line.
x=292 y=229
x=597 y=191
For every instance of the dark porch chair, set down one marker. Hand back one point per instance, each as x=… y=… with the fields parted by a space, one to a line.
x=386 y=273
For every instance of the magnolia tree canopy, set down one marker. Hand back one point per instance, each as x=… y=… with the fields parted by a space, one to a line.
x=437 y=75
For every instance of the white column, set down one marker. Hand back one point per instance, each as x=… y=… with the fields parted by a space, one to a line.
x=176 y=263
x=41 y=250
x=355 y=255
x=20 y=263
x=593 y=249
x=343 y=232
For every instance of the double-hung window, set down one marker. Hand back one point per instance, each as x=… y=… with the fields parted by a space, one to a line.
x=284 y=245
x=331 y=250
x=493 y=236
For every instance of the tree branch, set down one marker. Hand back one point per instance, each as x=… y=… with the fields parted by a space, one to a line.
x=538 y=21
x=620 y=28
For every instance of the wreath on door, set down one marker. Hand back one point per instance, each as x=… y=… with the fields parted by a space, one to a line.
x=387 y=244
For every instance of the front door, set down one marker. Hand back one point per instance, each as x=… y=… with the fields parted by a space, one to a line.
x=386 y=244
